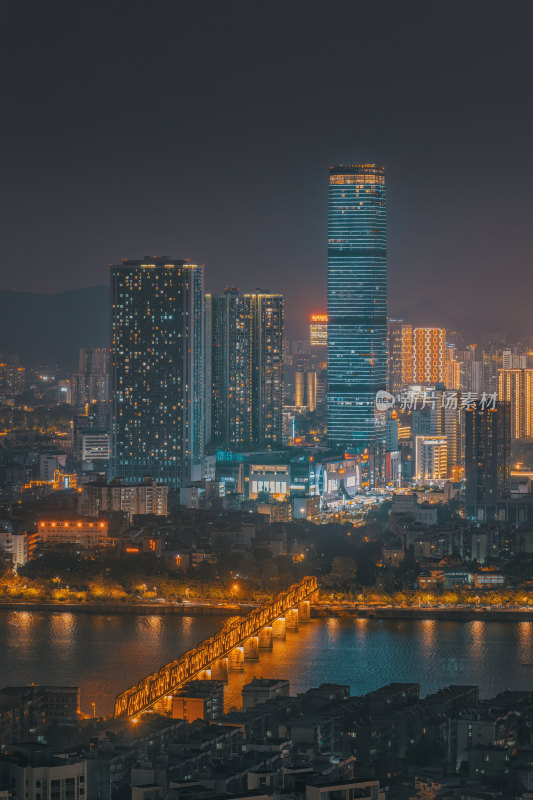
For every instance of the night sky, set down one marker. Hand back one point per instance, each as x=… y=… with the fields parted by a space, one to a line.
x=205 y=130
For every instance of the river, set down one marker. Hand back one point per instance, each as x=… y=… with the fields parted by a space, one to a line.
x=104 y=654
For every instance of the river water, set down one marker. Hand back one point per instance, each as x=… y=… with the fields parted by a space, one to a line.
x=105 y=654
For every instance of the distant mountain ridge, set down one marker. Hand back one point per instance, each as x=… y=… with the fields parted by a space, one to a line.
x=50 y=328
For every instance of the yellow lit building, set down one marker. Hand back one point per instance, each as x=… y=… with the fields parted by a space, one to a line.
x=429 y=346
x=318 y=330
x=431 y=458
x=83 y=533
x=516 y=386
x=452 y=370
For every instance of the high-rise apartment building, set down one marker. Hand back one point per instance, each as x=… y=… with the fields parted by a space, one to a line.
x=487 y=454
x=399 y=355
x=12 y=375
x=244 y=372
x=357 y=303
x=451 y=370
x=228 y=324
x=91 y=383
x=429 y=346
x=516 y=386
x=157 y=370
x=431 y=458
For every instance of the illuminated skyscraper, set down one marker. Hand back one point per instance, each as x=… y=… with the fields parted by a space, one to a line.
x=357 y=303
x=516 y=386
x=487 y=454
x=244 y=346
x=228 y=324
x=318 y=330
x=157 y=370
x=400 y=355
x=429 y=345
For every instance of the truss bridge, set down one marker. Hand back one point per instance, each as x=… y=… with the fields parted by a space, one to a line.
x=240 y=639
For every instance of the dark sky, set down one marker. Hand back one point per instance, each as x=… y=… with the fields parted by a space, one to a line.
x=205 y=130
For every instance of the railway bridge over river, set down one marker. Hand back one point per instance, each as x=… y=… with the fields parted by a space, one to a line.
x=241 y=639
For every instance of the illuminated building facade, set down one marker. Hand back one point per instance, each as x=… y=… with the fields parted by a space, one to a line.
x=228 y=323
x=357 y=303
x=429 y=345
x=244 y=374
x=147 y=497
x=400 y=355
x=82 y=533
x=452 y=370
x=318 y=330
x=431 y=458
x=516 y=387
x=157 y=370
x=487 y=454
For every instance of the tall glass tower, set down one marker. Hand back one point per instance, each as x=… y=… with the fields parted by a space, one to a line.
x=357 y=303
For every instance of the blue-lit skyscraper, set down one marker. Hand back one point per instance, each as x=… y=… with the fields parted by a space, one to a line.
x=357 y=303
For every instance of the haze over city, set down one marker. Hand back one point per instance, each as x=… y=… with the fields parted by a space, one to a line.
x=208 y=136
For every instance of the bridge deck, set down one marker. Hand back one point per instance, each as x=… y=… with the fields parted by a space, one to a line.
x=190 y=664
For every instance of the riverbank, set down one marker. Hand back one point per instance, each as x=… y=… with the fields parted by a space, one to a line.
x=450 y=613
x=239 y=609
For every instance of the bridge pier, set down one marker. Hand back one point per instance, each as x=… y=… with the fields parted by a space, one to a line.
x=251 y=649
x=212 y=658
x=291 y=619
x=205 y=675
x=236 y=659
x=219 y=670
x=265 y=638
x=278 y=628
x=304 y=611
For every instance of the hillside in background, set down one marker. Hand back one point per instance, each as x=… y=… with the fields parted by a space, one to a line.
x=50 y=328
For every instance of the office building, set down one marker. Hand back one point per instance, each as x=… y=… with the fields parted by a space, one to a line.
x=157 y=370
x=244 y=369
x=91 y=383
x=85 y=534
x=318 y=330
x=305 y=389
x=95 y=447
x=357 y=304
x=429 y=346
x=487 y=453
x=400 y=355
x=516 y=387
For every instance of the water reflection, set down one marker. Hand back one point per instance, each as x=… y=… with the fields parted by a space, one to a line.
x=105 y=654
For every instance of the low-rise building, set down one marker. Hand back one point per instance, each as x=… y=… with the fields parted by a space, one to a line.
x=147 y=497
x=87 y=534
